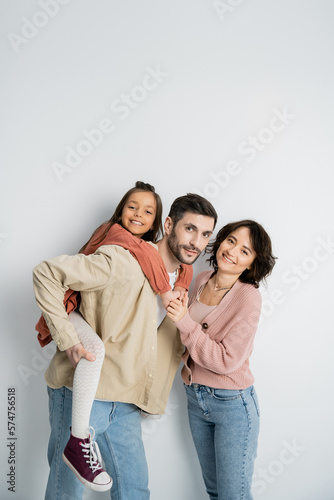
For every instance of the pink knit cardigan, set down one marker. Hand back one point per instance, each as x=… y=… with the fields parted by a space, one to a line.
x=218 y=350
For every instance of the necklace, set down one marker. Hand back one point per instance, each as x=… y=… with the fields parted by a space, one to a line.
x=216 y=289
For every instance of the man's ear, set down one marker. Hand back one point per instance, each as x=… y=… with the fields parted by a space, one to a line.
x=168 y=226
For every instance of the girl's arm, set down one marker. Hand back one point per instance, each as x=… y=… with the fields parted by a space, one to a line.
x=185 y=276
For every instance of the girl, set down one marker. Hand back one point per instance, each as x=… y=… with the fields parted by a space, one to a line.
x=218 y=331
x=137 y=218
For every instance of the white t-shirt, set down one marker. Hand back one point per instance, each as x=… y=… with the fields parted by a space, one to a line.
x=161 y=311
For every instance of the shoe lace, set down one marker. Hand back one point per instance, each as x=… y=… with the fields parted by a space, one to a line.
x=92 y=453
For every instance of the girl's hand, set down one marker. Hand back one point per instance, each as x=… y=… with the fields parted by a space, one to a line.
x=168 y=297
x=183 y=294
x=176 y=310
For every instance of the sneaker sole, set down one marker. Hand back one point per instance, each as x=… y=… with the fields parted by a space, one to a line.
x=92 y=486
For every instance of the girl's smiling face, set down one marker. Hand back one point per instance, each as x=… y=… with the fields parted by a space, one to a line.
x=236 y=252
x=139 y=213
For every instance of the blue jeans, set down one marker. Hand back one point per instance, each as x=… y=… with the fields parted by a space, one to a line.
x=225 y=428
x=118 y=434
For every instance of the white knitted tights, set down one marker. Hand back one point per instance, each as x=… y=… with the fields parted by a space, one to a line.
x=86 y=376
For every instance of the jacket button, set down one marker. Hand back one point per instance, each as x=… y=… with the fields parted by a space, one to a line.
x=205 y=326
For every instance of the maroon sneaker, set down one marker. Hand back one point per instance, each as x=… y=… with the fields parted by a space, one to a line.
x=83 y=457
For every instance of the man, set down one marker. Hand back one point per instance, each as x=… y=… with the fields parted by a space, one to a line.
x=139 y=365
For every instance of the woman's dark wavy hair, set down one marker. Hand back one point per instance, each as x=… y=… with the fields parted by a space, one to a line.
x=151 y=235
x=261 y=242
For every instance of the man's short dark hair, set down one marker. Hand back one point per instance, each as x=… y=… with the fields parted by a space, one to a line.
x=193 y=203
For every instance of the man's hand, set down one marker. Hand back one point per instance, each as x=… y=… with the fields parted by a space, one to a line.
x=76 y=352
x=176 y=310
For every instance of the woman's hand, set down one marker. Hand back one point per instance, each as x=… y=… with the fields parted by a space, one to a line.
x=177 y=310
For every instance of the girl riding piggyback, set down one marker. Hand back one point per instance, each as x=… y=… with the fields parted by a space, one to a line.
x=136 y=221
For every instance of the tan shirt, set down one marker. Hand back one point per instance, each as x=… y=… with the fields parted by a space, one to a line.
x=120 y=305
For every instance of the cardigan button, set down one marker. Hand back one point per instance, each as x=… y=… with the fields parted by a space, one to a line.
x=205 y=326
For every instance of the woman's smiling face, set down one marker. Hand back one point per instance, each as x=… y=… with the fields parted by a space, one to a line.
x=236 y=252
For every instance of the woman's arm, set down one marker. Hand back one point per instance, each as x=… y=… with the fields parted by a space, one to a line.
x=223 y=347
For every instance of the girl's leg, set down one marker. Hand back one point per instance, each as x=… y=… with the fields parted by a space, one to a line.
x=81 y=453
x=86 y=376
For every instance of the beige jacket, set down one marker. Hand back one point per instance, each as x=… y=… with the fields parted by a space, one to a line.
x=120 y=305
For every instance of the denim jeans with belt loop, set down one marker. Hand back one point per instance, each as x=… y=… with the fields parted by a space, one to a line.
x=118 y=433
x=225 y=427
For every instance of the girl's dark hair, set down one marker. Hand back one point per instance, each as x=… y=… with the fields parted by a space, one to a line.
x=151 y=235
x=264 y=260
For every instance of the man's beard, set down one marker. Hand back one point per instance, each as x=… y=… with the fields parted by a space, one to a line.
x=176 y=249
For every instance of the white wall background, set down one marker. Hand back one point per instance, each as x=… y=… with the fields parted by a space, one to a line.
x=227 y=69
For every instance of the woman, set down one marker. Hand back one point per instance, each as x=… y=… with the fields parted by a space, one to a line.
x=218 y=331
